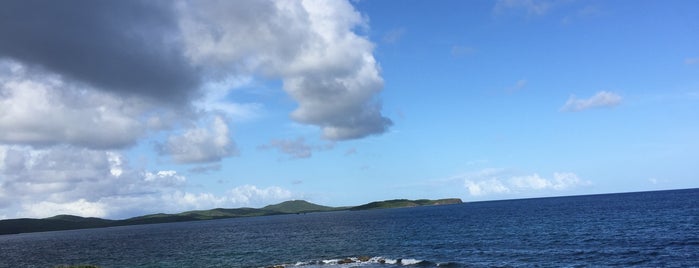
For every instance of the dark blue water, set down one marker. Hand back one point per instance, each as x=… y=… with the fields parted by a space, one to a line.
x=653 y=229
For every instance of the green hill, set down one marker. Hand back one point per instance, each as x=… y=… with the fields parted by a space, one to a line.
x=70 y=222
x=402 y=203
x=56 y=223
x=219 y=213
x=297 y=206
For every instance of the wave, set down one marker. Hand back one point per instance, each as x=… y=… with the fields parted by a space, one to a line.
x=366 y=261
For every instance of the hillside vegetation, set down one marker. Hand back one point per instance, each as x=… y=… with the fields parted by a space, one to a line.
x=69 y=222
x=298 y=206
x=401 y=203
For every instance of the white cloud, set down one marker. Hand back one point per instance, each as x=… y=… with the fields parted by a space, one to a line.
x=494 y=181
x=68 y=180
x=200 y=145
x=251 y=195
x=164 y=177
x=81 y=207
x=485 y=187
x=191 y=201
x=40 y=109
x=327 y=68
x=66 y=174
x=64 y=120
x=560 y=181
x=600 y=99
x=183 y=52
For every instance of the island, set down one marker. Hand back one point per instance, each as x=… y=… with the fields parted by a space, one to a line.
x=70 y=222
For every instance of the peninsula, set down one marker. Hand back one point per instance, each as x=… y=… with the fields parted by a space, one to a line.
x=70 y=222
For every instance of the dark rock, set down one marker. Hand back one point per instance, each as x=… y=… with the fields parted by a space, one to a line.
x=347 y=260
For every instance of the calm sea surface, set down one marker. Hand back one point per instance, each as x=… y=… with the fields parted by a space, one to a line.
x=653 y=229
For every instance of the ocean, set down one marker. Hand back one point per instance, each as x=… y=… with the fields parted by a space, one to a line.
x=646 y=229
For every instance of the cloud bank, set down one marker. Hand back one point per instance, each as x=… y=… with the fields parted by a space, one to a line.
x=167 y=54
x=83 y=81
x=491 y=182
x=69 y=180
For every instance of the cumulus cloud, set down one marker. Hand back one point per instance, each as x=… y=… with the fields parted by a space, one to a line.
x=200 y=145
x=76 y=92
x=296 y=149
x=324 y=65
x=494 y=181
x=41 y=109
x=62 y=174
x=103 y=184
x=68 y=179
x=601 y=99
x=485 y=187
x=128 y=47
x=179 y=52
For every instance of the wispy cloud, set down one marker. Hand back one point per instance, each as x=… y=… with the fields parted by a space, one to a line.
x=517 y=86
x=589 y=11
x=205 y=168
x=351 y=151
x=530 y=7
x=393 y=36
x=601 y=99
x=296 y=149
x=461 y=51
x=691 y=61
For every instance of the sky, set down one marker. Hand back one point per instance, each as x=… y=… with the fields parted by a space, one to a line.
x=116 y=109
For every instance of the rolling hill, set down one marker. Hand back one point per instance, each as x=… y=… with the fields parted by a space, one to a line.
x=298 y=206
x=70 y=222
x=401 y=203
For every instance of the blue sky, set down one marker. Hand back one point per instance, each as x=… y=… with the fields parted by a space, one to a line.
x=195 y=105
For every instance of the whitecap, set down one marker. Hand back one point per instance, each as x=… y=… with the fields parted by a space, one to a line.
x=409 y=261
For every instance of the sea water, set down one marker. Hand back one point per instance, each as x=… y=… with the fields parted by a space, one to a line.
x=651 y=229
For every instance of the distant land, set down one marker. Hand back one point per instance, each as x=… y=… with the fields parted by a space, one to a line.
x=70 y=222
